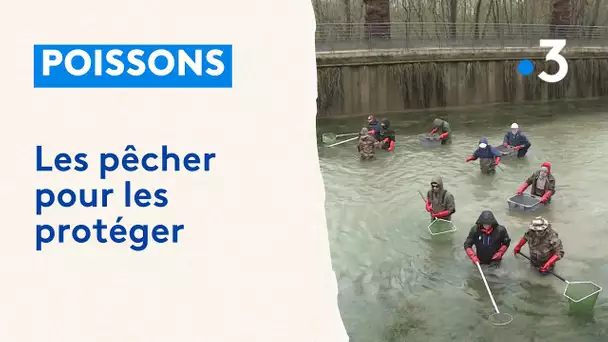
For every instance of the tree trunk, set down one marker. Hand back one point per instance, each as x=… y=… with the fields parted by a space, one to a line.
x=596 y=12
x=453 y=17
x=476 y=21
x=377 y=19
x=561 y=17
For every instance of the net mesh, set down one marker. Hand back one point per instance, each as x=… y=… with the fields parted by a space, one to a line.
x=582 y=297
x=582 y=291
x=328 y=138
x=440 y=226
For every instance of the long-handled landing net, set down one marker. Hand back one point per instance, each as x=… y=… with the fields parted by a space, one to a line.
x=329 y=138
x=582 y=295
x=497 y=318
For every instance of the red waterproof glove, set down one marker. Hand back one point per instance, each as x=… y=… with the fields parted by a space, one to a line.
x=505 y=144
x=501 y=251
x=371 y=131
x=520 y=244
x=546 y=196
x=391 y=146
x=497 y=160
x=440 y=214
x=443 y=136
x=516 y=148
x=429 y=207
x=470 y=158
x=434 y=131
x=472 y=256
x=554 y=258
x=523 y=188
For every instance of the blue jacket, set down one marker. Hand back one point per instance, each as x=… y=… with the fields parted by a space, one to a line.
x=517 y=139
x=375 y=125
x=488 y=152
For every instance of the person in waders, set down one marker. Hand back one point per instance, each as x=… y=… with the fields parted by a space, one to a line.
x=545 y=246
x=374 y=126
x=366 y=144
x=440 y=202
x=443 y=128
x=387 y=135
x=488 y=156
x=491 y=240
x=518 y=140
x=542 y=183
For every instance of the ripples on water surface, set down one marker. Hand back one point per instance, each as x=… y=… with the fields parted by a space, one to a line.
x=397 y=283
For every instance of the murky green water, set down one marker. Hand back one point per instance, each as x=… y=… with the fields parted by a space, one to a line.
x=399 y=283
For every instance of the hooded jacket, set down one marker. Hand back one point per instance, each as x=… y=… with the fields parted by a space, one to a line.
x=365 y=145
x=386 y=133
x=486 y=156
x=518 y=139
x=442 y=200
x=486 y=245
x=375 y=125
x=549 y=184
x=443 y=127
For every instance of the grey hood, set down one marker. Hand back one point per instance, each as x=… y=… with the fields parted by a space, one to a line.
x=438 y=180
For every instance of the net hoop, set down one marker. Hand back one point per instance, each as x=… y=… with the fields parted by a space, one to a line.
x=452 y=230
x=500 y=318
x=597 y=290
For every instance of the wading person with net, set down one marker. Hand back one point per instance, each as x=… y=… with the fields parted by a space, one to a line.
x=366 y=144
x=374 y=126
x=518 y=140
x=544 y=243
x=542 y=183
x=488 y=156
x=491 y=240
x=440 y=203
x=442 y=127
x=387 y=136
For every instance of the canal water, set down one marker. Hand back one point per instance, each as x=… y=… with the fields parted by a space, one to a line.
x=399 y=283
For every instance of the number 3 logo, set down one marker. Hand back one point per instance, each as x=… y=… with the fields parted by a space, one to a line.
x=556 y=46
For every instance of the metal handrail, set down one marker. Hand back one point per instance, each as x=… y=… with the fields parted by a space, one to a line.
x=423 y=35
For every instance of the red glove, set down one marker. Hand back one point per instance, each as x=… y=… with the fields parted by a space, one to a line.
x=501 y=251
x=434 y=131
x=523 y=188
x=391 y=146
x=554 y=258
x=519 y=246
x=372 y=131
x=440 y=214
x=443 y=136
x=546 y=196
x=505 y=144
x=470 y=158
x=516 y=148
x=472 y=256
x=429 y=207
x=497 y=161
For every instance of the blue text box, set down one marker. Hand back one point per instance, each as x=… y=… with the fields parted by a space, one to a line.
x=132 y=66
